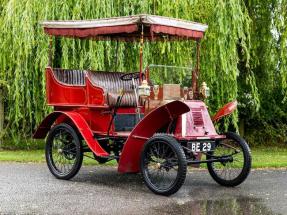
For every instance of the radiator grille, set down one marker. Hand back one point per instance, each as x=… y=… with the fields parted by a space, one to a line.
x=197 y=117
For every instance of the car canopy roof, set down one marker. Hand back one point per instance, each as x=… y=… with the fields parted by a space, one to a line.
x=127 y=28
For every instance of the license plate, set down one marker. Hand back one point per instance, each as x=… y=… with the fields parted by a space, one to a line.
x=202 y=146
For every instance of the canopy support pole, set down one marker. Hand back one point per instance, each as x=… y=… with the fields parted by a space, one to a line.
x=141 y=56
x=197 y=76
x=116 y=66
x=50 y=53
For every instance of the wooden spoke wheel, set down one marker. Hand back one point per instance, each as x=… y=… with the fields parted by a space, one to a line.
x=64 y=151
x=236 y=169
x=163 y=165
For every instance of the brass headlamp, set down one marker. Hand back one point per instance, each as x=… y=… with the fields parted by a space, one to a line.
x=144 y=90
x=204 y=90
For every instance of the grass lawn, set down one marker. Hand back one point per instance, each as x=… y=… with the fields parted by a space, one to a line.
x=261 y=157
x=37 y=156
x=269 y=157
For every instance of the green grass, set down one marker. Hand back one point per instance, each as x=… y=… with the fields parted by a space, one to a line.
x=23 y=156
x=23 y=144
x=37 y=156
x=262 y=157
x=269 y=157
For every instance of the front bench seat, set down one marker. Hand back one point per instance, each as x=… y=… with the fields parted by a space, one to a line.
x=112 y=84
x=128 y=99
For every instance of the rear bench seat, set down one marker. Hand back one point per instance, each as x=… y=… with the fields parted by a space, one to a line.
x=70 y=76
x=109 y=81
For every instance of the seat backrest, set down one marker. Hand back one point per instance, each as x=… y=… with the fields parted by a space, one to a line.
x=110 y=81
x=70 y=76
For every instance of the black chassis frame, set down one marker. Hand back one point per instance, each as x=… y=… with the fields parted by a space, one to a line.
x=190 y=155
x=214 y=158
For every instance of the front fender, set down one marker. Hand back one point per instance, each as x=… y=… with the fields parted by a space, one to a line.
x=81 y=124
x=130 y=157
x=225 y=110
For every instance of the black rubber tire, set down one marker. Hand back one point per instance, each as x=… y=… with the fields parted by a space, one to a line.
x=78 y=156
x=246 y=165
x=182 y=166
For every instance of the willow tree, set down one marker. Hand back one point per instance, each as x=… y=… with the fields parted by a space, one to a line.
x=24 y=49
x=268 y=63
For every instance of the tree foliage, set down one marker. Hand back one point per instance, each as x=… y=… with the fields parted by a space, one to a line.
x=268 y=63
x=231 y=57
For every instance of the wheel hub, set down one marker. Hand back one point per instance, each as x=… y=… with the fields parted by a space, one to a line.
x=60 y=151
x=230 y=159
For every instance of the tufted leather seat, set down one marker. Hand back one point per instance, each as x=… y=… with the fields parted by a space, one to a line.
x=70 y=76
x=112 y=84
x=109 y=81
x=127 y=100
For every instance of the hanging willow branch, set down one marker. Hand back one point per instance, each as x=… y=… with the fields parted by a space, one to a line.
x=24 y=49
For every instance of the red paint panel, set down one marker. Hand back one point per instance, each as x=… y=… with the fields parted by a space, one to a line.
x=178 y=128
x=80 y=123
x=96 y=95
x=198 y=116
x=99 y=121
x=83 y=111
x=45 y=125
x=129 y=161
x=225 y=110
x=129 y=110
x=60 y=94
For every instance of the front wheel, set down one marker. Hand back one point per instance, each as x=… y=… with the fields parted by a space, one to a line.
x=163 y=165
x=236 y=168
x=64 y=151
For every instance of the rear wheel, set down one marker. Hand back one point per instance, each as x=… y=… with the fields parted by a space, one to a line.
x=163 y=165
x=64 y=151
x=234 y=171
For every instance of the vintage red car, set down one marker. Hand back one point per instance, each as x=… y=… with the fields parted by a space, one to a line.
x=157 y=129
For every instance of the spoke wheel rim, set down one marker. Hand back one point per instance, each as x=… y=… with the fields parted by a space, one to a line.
x=161 y=165
x=63 y=151
x=229 y=170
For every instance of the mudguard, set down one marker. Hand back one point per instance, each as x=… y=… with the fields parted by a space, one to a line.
x=225 y=110
x=151 y=123
x=80 y=123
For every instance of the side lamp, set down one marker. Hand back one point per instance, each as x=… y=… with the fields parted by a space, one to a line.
x=144 y=90
x=204 y=90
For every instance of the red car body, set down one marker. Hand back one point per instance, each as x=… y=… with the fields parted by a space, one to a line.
x=83 y=107
x=164 y=129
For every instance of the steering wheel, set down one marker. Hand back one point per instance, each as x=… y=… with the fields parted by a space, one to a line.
x=130 y=75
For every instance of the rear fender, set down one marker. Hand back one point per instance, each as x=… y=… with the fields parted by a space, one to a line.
x=225 y=110
x=80 y=123
x=130 y=157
